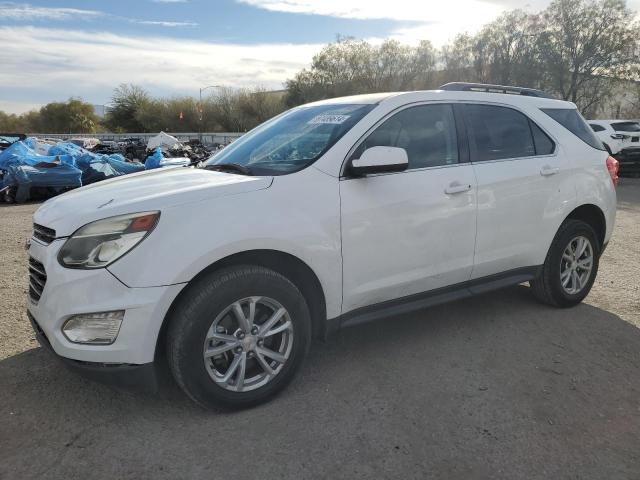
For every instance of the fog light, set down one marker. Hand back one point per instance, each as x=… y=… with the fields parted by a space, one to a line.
x=93 y=328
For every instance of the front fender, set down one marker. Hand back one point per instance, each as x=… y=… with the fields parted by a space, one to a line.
x=299 y=215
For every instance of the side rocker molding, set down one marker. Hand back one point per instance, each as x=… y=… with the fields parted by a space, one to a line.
x=431 y=298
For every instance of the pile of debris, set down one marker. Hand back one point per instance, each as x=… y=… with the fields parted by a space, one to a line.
x=34 y=169
x=171 y=148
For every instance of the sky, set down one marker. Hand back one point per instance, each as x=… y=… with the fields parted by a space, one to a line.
x=51 y=50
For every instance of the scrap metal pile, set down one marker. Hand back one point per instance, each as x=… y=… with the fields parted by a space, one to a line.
x=35 y=169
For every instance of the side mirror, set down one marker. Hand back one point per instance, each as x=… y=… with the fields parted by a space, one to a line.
x=380 y=160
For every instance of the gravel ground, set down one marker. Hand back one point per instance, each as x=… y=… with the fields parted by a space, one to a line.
x=496 y=386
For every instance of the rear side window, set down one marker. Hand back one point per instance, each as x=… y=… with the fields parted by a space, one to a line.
x=500 y=132
x=571 y=119
x=596 y=128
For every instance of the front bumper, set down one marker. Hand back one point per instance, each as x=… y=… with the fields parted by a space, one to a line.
x=68 y=292
x=138 y=378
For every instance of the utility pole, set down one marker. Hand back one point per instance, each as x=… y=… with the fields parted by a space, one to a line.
x=200 y=110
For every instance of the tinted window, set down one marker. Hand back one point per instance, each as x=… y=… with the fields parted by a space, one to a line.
x=498 y=132
x=293 y=140
x=596 y=128
x=626 y=126
x=426 y=132
x=543 y=144
x=571 y=119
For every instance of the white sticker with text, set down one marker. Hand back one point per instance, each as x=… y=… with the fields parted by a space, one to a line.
x=333 y=119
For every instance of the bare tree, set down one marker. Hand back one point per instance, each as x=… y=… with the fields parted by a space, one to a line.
x=351 y=66
x=583 y=43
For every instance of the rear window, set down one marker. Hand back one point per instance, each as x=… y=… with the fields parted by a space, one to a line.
x=571 y=119
x=626 y=126
x=596 y=128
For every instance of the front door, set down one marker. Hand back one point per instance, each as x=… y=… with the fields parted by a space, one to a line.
x=409 y=232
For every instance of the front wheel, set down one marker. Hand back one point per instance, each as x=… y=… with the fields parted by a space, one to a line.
x=571 y=266
x=238 y=336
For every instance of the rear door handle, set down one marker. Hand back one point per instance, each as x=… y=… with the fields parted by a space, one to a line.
x=548 y=170
x=457 y=187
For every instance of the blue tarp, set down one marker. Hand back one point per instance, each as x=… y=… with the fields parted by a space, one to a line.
x=25 y=177
x=66 y=166
x=157 y=160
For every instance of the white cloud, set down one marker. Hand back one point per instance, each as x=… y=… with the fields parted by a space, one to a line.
x=438 y=21
x=165 y=23
x=28 y=13
x=15 y=11
x=408 y=10
x=53 y=64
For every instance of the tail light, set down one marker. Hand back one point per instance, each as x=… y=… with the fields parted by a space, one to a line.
x=617 y=136
x=613 y=166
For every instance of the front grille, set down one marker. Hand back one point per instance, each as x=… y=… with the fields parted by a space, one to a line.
x=44 y=234
x=37 y=279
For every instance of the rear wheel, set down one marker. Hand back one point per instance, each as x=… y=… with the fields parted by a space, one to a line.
x=571 y=266
x=238 y=336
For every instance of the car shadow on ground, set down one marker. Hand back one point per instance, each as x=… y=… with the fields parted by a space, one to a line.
x=493 y=386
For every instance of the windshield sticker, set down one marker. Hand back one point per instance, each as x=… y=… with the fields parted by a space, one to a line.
x=332 y=119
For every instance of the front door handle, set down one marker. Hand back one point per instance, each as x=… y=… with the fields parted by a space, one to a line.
x=548 y=170
x=457 y=187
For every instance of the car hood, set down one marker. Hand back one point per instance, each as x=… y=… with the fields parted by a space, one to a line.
x=138 y=192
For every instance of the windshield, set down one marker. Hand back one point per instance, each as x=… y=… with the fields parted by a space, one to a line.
x=291 y=141
x=626 y=126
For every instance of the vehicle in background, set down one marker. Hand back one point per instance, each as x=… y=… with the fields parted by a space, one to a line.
x=622 y=140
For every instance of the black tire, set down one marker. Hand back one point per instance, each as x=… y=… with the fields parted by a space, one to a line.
x=547 y=287
x=193 y=315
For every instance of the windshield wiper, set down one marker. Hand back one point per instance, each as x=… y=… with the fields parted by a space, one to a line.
x=230 y=167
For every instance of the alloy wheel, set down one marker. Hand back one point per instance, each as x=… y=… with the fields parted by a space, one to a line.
x=576 y=265
x=248 y=343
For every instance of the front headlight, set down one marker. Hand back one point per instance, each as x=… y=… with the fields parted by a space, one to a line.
x=100 y=243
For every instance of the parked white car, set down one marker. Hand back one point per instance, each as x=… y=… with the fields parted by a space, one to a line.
x=331 y=214
x=622 y=139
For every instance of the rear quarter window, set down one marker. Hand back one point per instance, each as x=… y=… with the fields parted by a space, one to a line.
x=571 y=119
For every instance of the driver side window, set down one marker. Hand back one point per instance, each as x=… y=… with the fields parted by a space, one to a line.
x=426 y=132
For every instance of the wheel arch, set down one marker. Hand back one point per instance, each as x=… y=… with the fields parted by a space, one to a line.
x=288 y=265
x=594 y=216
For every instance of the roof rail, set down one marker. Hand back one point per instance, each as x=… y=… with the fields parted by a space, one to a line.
x=487 y=88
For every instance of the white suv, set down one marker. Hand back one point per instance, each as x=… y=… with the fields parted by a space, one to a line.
x=331 y=214
x=621 y=138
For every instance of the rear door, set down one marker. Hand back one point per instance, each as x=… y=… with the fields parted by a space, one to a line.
x=521 y=187
x=408 y=232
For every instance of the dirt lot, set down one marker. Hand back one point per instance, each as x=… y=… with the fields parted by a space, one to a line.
x=497 y=386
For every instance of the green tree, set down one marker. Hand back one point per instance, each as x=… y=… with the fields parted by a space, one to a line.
x=73 y=116
x=126 y=102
